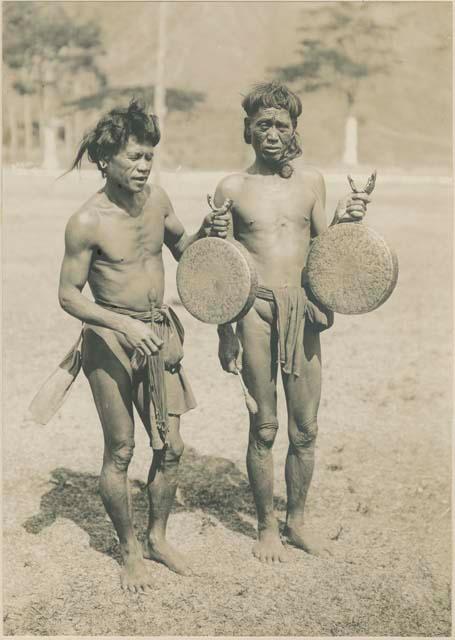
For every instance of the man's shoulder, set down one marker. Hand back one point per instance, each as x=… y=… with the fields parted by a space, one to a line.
x=309 y=174
x=157 y=196
x=231 y=184
x=85 y=221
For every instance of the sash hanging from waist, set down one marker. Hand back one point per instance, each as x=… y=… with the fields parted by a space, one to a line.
x=168 y=328
x=290 y=305
x=166 y=325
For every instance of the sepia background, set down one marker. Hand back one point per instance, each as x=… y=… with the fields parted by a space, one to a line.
x=376 y=85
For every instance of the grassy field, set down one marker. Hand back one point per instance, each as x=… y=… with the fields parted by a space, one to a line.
x=382 y=480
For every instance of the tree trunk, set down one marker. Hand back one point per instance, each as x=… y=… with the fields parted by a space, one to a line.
x=69 y=138
x=160 y=87
x=13 y=132
x=28 y=127
x=50 y=156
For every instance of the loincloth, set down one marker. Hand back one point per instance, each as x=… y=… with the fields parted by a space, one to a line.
x=292 y=309
x=169 y=392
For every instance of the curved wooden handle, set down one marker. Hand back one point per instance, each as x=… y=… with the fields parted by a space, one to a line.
x=368 y=188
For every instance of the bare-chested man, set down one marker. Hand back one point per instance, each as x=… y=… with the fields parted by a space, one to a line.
x=131 y=347
x=276 y=211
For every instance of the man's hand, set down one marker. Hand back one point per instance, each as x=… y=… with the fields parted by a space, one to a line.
x=351 y=208
x=141 y=337
x=228 y=349
x=217 y=222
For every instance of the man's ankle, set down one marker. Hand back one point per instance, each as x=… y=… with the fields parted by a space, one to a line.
x=270 y=523
x=295 y=521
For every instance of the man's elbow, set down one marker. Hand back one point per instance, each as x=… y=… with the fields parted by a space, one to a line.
x=65 y=299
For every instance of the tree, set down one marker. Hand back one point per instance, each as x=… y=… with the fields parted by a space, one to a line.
x=344 y=44
x=48 y=55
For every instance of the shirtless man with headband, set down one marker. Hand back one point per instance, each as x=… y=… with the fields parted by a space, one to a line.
x=131 y=342
x=276 y=211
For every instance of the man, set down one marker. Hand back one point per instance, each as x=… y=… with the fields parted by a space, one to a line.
x=276 y=211
x=131 y=343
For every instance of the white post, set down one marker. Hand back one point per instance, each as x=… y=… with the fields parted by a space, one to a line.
x=350 y=156
x=160 y=87
x=50 y=158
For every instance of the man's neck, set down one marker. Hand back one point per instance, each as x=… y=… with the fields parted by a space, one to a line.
x=263 y=168
x=130 y=202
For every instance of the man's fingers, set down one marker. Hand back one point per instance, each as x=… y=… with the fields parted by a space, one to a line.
x=155 y=340
x=145 y=349
x=152 y=346
x=361 y=196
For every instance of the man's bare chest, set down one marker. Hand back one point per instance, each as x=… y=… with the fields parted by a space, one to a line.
x=124 y=239
x=264 y=205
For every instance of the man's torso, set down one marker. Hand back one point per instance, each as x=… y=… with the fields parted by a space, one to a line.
x=272 y=219
x=127 y=266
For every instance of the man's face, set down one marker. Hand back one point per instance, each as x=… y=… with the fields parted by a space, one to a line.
x=271 y=132
x=131 y=167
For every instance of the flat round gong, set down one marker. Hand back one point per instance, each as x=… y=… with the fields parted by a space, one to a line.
x=216 y=280
x=351 y=269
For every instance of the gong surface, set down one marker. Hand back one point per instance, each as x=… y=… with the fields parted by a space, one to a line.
x=216 y=280
x=351 y=269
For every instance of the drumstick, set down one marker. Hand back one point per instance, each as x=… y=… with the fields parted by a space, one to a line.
x=249 y=400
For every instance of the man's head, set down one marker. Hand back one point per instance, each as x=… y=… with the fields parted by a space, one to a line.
x=270 y=126
x=121 y=145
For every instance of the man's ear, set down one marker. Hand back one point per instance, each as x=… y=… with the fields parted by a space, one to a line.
x=247 y=131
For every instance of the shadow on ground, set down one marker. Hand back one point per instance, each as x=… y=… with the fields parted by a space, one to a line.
x=207 y=483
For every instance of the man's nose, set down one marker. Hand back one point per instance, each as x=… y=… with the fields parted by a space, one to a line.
x=144 y=165
x=272 y=134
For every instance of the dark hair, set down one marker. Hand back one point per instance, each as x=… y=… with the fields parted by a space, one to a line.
x=112 y=131
x=272 y=94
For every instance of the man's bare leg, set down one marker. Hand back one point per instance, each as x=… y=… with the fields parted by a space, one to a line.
x=161 y=486
x=302 y=398
x=259 y=373
x=111 y=387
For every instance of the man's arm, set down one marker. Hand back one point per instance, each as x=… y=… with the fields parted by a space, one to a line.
x=175 y=236
x=318 y=217
x=80 y=241
x=228 y=347
x=350 y=208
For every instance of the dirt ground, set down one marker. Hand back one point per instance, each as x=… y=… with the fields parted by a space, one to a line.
x=381 y=490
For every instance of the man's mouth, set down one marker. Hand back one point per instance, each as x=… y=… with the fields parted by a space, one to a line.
x=140 y=179
x=272 y=150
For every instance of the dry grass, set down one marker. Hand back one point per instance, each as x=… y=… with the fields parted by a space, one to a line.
x=381 y=488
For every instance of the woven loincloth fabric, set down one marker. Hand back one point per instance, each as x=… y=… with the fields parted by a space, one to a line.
x=169 y=392
x=292 y=309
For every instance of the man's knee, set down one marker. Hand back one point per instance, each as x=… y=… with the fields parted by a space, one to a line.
x=174 y=450
x=303 y=433
x=121 y=454
x=263 y=435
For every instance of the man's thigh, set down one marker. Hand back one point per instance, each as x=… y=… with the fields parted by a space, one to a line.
x=303 y=392
x=108 y=370
x=259 y=362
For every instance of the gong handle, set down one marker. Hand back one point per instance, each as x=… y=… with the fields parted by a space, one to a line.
x=212 y=204
x=368 y=188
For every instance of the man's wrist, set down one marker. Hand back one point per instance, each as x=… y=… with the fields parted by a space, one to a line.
x=203 y=232
x=224 y=329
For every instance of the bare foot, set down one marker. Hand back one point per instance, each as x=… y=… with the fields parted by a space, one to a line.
x=269 y=547
x=307 y=541
x=163 y=552
x=134 y=575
